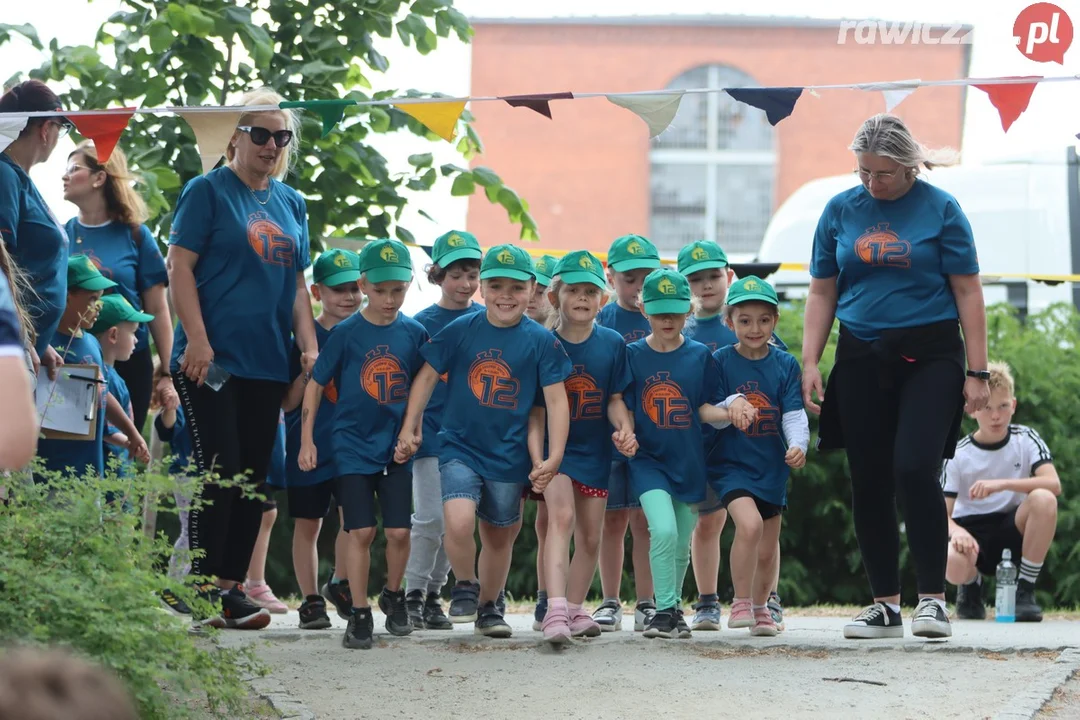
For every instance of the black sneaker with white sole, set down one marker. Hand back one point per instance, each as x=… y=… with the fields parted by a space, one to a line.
x=500 y=602
x=434 y=617
x=930 y=620
x=240 y=613
x=414 y=605
x=464 y=597
x=392 y=605
x=662 y=624
x=490 y=622
x=876 y=621
x=313 y=614
x=338 y=594
x=969 y=602
x=682 y=630
x=358 y=633
x=174 y=603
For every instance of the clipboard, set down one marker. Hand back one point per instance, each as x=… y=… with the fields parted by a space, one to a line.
x=68 y=408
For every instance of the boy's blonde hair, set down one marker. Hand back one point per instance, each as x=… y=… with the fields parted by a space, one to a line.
x=1001 y=378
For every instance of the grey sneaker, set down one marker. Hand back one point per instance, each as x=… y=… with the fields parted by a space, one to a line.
x=500 y=602
x=930 y=620
x=608 y=616
x=776 y=609
x=464 y=597
x=489 y=622
x=642 y=613
x=706 y=613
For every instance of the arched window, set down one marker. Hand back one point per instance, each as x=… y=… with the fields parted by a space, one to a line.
x=713 y=169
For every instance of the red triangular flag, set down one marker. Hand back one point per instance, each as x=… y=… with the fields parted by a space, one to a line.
x=105 y=130
x=1010 y=100
x=537 y=102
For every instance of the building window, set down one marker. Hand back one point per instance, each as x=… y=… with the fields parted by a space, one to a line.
x=713 y=169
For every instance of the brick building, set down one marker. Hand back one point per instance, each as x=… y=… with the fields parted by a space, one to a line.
x=720 y=170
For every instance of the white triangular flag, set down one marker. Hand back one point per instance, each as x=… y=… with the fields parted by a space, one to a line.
x=894 y=93
x=895 y=97
x=657 y=110
x=10 y=129
x=213 y=130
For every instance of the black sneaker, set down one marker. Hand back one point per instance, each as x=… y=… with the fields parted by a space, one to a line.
x=930 y=620
x=876 y=621
x=414 y=605
x=538 y=614
x=338 y=593
x=500 y=602
x=174 y=604
x=358 y=634
x=240 y=613
x=969 y=602
x=1027 y=609
x=313 y=614
x=489 y=622
x=464 y=597
x=682 y=630
x=203 y=617
x=392 y=604
x=434 y=617
x=662 y=624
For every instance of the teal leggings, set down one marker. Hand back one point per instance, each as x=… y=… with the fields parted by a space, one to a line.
x=671 y=523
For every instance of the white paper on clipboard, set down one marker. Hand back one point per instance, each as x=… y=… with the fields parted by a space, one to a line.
x=70 y=404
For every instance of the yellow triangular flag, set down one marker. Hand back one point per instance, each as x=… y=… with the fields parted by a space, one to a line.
x=213 y=130
x=439 y=117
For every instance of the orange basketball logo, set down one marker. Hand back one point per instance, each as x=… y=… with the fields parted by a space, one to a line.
x=586 y=399
x=768 y=415
x=664 y=403
x=492 y=381
x=383 y=377
x=269 y=241
x=881 y=247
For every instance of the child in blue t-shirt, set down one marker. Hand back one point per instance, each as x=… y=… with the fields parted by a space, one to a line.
x=676 y=382
x=496 y=363
x=748 y=468
x=456 y=271
x=371 y=358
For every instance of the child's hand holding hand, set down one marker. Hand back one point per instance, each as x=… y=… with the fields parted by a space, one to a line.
x=308 y=459
x=407 y=445
x=542 y=474
x=742 y=413
x=137 y=448
x=795 y=458
x=625 y=442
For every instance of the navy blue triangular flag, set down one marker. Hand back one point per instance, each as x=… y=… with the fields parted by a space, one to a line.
x=777 y=103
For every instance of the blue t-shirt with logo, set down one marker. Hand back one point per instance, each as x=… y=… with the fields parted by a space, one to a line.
x=495 y=376
x=373 y=367
x=37 y=242
x=599 y=371
x=80 y=455
x=249 y=255
x=275 y=472
x=134 y=265
x=667 y=391
x=434 y=319
x=892 y=258
x=179 y=442
x=119 y=390
x=324 y=425
x=632 y=326
x=753 y=460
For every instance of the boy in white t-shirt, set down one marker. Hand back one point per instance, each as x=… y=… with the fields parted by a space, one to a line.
x=1001 y=492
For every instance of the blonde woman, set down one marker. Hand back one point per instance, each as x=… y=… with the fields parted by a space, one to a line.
x=237 y=254
x=109 y=229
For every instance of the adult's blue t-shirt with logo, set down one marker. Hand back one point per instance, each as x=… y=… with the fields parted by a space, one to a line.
x=249 y=254
x=892 y=258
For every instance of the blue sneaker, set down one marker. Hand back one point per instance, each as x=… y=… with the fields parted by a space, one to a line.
x=776 y=610
x=464 y=597
x=706 y=613
x=539 y=613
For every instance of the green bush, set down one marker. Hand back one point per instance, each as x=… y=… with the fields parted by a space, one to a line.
x=78 y=571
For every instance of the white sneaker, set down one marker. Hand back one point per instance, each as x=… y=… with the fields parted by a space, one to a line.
x=608 y=616
x=643 y=613
x=930 y=620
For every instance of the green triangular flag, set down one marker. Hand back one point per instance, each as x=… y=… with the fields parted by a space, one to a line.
x=331 y=111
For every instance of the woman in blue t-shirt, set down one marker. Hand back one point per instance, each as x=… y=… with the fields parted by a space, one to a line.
x=33 y=236
x=110 y=230
x=895 y=261
x=238 y=249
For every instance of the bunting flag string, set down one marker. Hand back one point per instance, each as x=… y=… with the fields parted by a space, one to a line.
x=10 y=128
x=894 y=93
x=538 y=102
x=439 y=117
x=1010 y=100
x=331 y=111
x=104 y=130
x=212 y=134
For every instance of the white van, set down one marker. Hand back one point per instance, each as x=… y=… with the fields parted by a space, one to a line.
x=1024 y=212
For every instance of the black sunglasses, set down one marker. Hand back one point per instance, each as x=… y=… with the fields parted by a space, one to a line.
x=261 y=136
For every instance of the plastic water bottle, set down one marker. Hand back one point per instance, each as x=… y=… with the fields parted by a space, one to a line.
x=1005 y=605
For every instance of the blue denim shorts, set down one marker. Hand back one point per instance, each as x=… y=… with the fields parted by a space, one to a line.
x=712 y=503
x=497 y=503
x=620 y=495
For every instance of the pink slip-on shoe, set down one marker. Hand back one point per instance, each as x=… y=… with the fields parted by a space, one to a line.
x=556 y=625
x=764 y=625
x=742 y=614
x=582 y=624
x=261 y=594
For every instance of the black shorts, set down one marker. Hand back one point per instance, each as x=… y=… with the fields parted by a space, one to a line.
x=311 y=502
x=767 y=509
x=356 y=494
x=994 y=532
x=267 y=491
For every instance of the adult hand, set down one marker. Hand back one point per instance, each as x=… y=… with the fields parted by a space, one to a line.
x=976 y=395
x=196 y=360
x=52 y=361
x=307 y=360
x=795 y=458
x=811 y=387
x=986 y=488
x=963 y=543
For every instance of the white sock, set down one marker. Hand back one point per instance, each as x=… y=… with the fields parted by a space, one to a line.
x=892 y=606
x=1029 y=570
x=941 y=604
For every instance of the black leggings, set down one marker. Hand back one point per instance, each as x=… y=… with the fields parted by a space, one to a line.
x=233 y=431
x=138 y=374
x=895 y=440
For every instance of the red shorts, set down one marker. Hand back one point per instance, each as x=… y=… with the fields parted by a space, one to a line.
x=528 y=494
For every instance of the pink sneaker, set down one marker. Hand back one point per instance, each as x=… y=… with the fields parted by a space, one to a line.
x=741 y=615
x=556 y=625
x=764 y=625
x=263 y=596
x=582 y=624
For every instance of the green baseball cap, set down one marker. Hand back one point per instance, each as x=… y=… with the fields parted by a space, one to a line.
x=116 y=309
x=508 y=261
x=544 y=268
x=336 y=267
x=701 y=255
x=631 y=252
x=386 y=260
x=751 y=288
x=84 y=274
x=665 y=291
x=453 y=246
x=581 y=266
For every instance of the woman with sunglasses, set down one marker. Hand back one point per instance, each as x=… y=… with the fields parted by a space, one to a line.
x=110 y=230
x=894 y=260
x=34 y=237
x=237 y=254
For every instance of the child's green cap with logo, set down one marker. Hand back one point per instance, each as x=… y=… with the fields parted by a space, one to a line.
x=386 y=260
x=116 y=309
x=544 y=267
x=581 y=266
x=453 y=246
x=507 y=261
x=336 y=267
x=84 y=274
x=665 y=291
x=751 y=289
x=632 y=252
x=701 y=255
